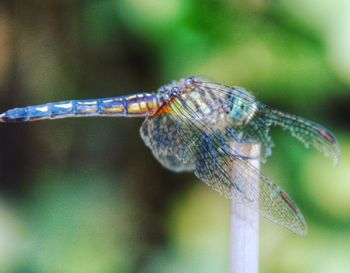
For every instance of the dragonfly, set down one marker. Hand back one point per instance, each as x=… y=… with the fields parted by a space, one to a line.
x=191 y=124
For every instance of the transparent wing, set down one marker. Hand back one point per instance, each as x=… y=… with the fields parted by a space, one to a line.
x=184 y=137
x=161 y=135
x=308 y=132
x=224 y=170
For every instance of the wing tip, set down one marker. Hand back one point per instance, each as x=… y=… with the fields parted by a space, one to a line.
x=337 y=153
x=302 y=230
x=333 y=142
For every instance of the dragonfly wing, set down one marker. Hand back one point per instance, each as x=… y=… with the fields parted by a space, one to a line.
x=236 y=178
x=306 y=131
x=160 y=134
x=219 y=166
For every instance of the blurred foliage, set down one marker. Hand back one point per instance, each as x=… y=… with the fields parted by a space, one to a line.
x=87 y=195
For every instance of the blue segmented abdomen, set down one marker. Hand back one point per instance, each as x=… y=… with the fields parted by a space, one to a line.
x=142 y=104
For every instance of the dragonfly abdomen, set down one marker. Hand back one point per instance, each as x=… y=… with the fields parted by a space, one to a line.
x=141 y=104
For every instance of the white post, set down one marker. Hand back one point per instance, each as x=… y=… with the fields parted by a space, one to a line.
x=245 y=224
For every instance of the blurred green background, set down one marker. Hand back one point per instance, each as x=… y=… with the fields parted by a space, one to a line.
x=87 y=195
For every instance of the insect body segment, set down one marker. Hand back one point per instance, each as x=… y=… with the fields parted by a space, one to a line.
x=141 y=104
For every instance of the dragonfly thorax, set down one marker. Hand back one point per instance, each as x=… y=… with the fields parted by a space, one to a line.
x=209 y=102
x=176 y=88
